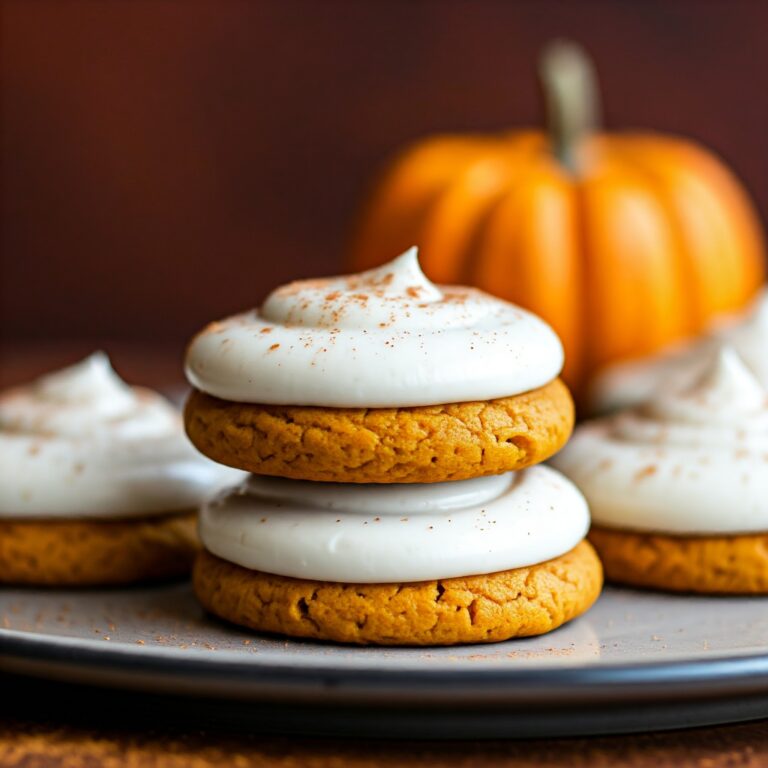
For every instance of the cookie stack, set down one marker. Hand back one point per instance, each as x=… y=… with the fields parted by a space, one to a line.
x=391 y=427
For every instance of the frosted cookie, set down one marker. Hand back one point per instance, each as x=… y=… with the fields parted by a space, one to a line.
x=477 y=560
x=378 y=377
x=98 y=484
x=678 y=487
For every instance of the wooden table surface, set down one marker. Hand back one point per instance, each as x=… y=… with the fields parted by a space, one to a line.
x=49 y=726
x=45 y=743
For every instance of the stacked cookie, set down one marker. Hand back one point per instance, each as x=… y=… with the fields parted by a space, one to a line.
x=391 y=427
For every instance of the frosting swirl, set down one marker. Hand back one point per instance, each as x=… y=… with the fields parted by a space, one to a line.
x=383 y=338
x=625 y=384
x=692 y=460
x=81 y=443
x=362 y=534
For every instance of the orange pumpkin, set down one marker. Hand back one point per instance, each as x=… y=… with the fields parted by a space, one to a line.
x=623 y=242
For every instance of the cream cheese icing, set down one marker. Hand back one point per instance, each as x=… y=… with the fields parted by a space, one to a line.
x=81 y=443
x=383 y=338
x=626 y=384
x=395 y=533
x=692 y=460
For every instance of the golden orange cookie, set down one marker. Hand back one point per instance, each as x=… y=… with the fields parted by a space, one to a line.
x=425 y=444
x=97 y=552
x=474 y=609
x=705 y=564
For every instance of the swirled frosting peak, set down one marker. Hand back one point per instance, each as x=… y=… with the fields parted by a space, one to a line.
x=629 y=383
x=92 y=382
x=370 y=299
x=692 y=460
x=724 y=392
x=383 y=338
x=78 y=400
x=82 y=443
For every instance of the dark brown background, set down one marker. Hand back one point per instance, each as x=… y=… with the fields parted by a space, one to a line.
x=168 y=162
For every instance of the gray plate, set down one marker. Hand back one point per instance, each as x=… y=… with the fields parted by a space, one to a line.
x=636 y=661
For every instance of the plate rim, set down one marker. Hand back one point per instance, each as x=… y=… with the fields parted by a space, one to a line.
x=716 y=676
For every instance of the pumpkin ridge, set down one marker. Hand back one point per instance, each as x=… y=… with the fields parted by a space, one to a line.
x=582 y=356
x=442 y=262
x=470 y=270
x=680 y=253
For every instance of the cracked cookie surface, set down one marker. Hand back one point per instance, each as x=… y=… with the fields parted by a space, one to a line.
x=424 y=444
x=473 y=609
x=705 y=564
x=97 y=552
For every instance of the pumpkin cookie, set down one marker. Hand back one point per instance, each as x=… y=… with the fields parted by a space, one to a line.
x=97 y=552
x=424 y=444
x=475 y=609
x=98 y=484
x=736 y=565
x=381 y=377
x=678 y=488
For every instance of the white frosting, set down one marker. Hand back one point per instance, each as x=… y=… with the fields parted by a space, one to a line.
x=394 y=533
x=384 y=338
x=626 y=384
x=81 y=443
x=691 y=461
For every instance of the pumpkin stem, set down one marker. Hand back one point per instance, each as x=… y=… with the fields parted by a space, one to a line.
x=572 y=101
